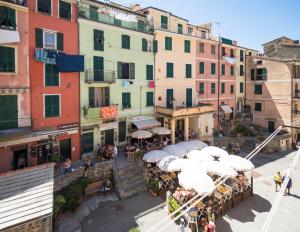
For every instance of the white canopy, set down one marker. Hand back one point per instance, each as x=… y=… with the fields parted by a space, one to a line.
x=161 y=131
x=217 y=168
x=226 y=109
x=214 y=151
x=196 y=144
x=196 y=180
x=141 y=134
x=176 y=150
x=171 y=163
x=155 y=156
x=199 y=156
x=145 y=123
x=237 y=163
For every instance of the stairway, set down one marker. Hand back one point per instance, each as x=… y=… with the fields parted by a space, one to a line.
x=247 y=146
x=129 y=180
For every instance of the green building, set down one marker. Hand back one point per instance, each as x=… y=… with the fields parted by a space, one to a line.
x=119 y=62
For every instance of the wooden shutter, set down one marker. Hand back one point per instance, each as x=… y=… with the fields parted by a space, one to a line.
x=201 y=67
x=155 y=46
x=132 y=70
x=144 y=45
x=126 y=100
x=98 y=68
x=223 y=69
x=169 y=69
x=98 y=40
x=168 y=43
x=149 y=99
x=188 y=71
x=9 y=105
x=52 y=106
x=122 y=131
x=125 y=41
x=252 y=74
x=169 y=98
x=60 y=41
x=189 y=97
x=231 y=70
x=93 y=10
x=51 y=75
x=223 y=88
x=213 y=88
x=11 y=15
x=141 y=25
x=187 y=46
x=39 y=38
x=149 y=72
x=87 y=142
x=120 y=70
x=106 y=96
x=213 y=68
x=91 y=97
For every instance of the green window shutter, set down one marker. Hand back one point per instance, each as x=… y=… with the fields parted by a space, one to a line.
x=52 y=108
x=125 y=41
x=223 y=69
x=170 y=70
x=252 y=74
x=98 y=68
x=51 y=75
x=213 y=49
x=258 y=89
x=149 y=72
x=65 y=10
x=188 y=97
x=60 y=41
x=201 y=67
x=144 y=45
x=201 y=88
x=180 y=28
x=9 y=105
x=91 y=97
x=257 y=106
x=106 y=96
x=39 y=38
x=98 y=40
x=141 y=25
x=169 y=98
x=11 y=16
x=213 y=88
x=7 y=59
x=168 y=43
x=93 y=10
x=149 y=99
x=213 y=68
x=87 y=142
x=132 y=70
x=231 y=89
x=155 y=46
x=241 y=70
x=187 y=46
x=223 y=88
x=126 y=101
x=120 y=70
x=241 y=87
x=164 y=22
x=231 y=70
x=118 y=22
x=241 y=56
x=188 y=71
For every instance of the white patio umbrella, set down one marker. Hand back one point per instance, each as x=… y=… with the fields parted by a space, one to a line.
x=161 y=131
x=176 y=150
x=196 y=144
x=199 y=156
x=155 y=156
x=237 y=162
x=141 y=134
x=214 y=151
x=217 y=168
x=196 y=180
x=185 y=146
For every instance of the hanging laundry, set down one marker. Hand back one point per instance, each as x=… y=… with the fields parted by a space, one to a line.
x=70 y=63
x=8 y=36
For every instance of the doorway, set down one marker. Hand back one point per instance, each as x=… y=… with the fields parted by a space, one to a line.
x=65 y=149
x=271 y=126
x=20 y=159
x=122 y=131
x=109 y=137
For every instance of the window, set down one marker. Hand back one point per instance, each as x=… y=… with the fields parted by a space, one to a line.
x=99 y=97
x=213 y=68
x=51 y=75
x=231 y=70
x=9 y=105
x=180 y=28
x=223 y=88
x=141 y=25
x=257 y=106
x=52 y=106
x=155 y=46
x=7 y=59
x=201 y=47
x=188 y=97
x=252 y=74
x=65 y=10
x=125 y=41
x=168 y=43
x=231 y=89
x=126 y=70
x=213 y=88
x=258 y=89
x=241 y=70
x=201 y=68
x=261 y=74
x=98 y=40
x=164 y=22
x=223 y=69
x=187 y=46
x=190 y=30
x=93 y=10
x=188 y=71
x=44 y=6
x=250 y=53
x=98 y=68
x=170 y=70
x=149 y=72
x=144 y=45
x=149 y=99
x=201 y=88
x=126 y=104
x=241 y=87
x=7 y=18
x=241 y=56
x=223 y=51
x=231 y=53
x=49 y=39
x=203 y=34
x=87 y=142
x=213 y=49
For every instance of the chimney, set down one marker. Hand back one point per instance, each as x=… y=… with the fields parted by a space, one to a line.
x=135 y=7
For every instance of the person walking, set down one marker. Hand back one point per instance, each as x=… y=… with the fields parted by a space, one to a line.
x=206 y=226
x=278 y=181
x=211 y=217
x=86 y=166
x=289 y=185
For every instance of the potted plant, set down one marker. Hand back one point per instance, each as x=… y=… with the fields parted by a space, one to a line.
x=153 y=186
x=173 y=205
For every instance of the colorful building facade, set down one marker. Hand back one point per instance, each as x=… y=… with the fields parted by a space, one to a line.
x=118 y=83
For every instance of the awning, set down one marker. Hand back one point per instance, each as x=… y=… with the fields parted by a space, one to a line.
x=146 y=123
x=8 y=36
x=226 y=109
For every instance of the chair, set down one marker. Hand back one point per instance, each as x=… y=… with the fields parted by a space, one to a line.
x=193 y=218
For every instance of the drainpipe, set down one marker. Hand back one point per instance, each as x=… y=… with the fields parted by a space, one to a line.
x=219 y=83
x=245 y=81
x=292 y=98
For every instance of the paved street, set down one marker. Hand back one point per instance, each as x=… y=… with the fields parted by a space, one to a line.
x=144 y=211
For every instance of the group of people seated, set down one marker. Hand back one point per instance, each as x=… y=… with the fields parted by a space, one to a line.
x=106 y=152
x=146 y=144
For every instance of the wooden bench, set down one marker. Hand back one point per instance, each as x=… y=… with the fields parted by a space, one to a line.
x=98 y=186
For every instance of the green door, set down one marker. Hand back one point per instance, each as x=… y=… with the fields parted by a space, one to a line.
x=98 y=68
x=122 y=131
x=9 y=105
x=189 y=97
x=109 y=137
x=65 y=149
x=87 y=142
x=169 y=99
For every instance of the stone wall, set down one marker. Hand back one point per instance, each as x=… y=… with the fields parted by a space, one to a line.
x=99 y=171
x=36 y=225
x=279 y=143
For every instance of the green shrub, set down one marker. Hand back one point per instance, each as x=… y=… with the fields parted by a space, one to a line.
x=243 y=130
x=58 y=204
x=153 y=185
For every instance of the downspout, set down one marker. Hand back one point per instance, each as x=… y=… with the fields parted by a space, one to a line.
x=245 y=81
x=219 y=83
x=292 y=98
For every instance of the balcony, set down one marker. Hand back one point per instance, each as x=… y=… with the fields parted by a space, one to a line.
x=185 y=111
x=107 y=17
x=99 y=76
x=104 y=112
x=14 y=126
x=18 y=2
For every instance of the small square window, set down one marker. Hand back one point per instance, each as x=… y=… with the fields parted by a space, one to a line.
x=44 y=6
x=49 y=40
x=65 y=10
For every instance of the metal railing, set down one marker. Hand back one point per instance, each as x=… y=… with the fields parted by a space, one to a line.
x=95 y=15
x=18 y=2
x=99 y=76
x=15 y=123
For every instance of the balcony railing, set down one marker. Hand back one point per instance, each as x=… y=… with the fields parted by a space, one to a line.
x=185 y=111
x=103 y=112
x=15 y=123
x=18 y=2
x=99 y=76
x=106 y=17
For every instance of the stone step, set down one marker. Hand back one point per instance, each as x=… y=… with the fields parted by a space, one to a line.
x=131 y=181
x=129 y=174
x=124 y=170
x=132 y=192
x=132 y=185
